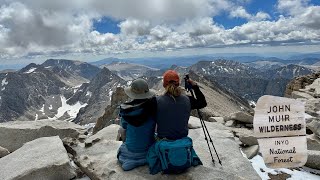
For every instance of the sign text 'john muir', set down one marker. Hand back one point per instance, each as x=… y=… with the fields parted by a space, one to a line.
x=280 y=128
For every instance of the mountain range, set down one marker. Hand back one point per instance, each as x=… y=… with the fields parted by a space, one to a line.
x=79 y=91
x=40 y=91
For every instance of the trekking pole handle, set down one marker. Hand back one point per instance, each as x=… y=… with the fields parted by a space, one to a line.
x=187 y=84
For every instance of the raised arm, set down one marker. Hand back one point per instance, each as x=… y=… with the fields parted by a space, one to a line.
x=199 y=101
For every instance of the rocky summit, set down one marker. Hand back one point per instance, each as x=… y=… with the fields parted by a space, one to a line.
x=98 y=160
x=307 y=89
x=64 y=124
x=95 y=156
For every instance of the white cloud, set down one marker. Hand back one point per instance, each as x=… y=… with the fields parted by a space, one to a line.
x=27 y=29
x=160 y=33
x=292 y=7
x=240 y=12
x=311 y=18
x=155 y=10
x=36 y=27
x=261 y=16
x=199 y=26
x=135 y=27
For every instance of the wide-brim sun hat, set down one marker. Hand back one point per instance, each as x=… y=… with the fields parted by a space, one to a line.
x=139 y=89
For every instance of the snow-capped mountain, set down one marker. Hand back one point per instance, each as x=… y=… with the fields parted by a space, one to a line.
x=128 y=71
x=78 y=68
x=225 y=68
x=265 y=65
x=270 y=64
x=97 y=94
x=249 y=82
x=41 y=91
x=25 y=93
x=289 y=71
x=78 y=91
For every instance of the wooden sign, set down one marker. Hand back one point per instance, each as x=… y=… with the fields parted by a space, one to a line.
x=279 y=116
x=284 y=151
x=280 y=127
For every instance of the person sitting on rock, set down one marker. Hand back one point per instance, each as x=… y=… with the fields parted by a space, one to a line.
x=138 y=125
x=172 y=116
x=174 y=107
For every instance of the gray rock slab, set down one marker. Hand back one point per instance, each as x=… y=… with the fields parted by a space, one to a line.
x=313 y=142
x=314 y=126
x=298 y=94
x=99 y=160
x=43 y=158
x=315 y=85
x=3 y=152
x=217 y=119
x=248 y=140
x=251 y=151
x=312 y=107
x=309 y=118
x=194 y=123
x=313 y=160
x=227 y=149
x=242 y=117
x=246 y=136
x=107 y=133
x=230 y=123
x=249 y=126
x=15 y=133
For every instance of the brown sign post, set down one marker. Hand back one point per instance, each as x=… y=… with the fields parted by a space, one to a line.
x=280 y=127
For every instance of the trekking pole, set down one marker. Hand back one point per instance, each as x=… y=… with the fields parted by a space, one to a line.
x=204 y=127
x=200 y=116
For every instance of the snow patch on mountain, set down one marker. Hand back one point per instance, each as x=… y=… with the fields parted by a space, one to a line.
x=72 y=110
x=42 y=109
x=31 y=70
x=4 y=82
x=89 y=93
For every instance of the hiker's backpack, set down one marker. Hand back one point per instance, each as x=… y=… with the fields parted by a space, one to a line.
x=173 y=157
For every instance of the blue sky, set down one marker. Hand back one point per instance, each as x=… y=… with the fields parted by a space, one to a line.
x=34 y=30
x=107 y=24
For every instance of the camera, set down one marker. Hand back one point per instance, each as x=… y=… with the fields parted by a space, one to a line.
x=187 y=85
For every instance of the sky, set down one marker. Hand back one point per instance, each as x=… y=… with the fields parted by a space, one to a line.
x=35 y=30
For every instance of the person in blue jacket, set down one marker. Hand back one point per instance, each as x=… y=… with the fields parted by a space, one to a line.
x=137 y=119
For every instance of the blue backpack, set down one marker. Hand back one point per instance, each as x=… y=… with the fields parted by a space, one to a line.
x=172 y=156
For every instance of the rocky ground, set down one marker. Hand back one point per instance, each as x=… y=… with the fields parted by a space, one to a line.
x=95 y=156
x=63 y=150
